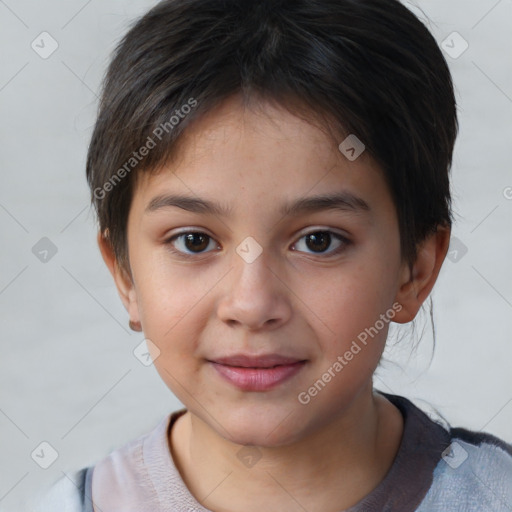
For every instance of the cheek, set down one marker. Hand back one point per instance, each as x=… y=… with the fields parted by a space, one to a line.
x=346 y=303
x=171 y=303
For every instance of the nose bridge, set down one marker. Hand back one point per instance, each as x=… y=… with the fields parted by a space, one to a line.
x=252 y=271
x=254 y=295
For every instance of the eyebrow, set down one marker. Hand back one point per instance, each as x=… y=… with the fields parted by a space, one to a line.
x=343 y=201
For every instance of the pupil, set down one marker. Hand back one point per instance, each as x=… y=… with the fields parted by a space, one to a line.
x=321 y=240
x=196 y=241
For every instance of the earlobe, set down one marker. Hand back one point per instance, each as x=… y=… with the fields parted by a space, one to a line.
x=417 y=282
x=123 y=281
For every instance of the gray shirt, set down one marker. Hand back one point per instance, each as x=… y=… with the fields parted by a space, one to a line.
x=437 y=468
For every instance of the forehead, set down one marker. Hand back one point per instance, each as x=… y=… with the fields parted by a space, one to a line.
x=260 y=153
x=250 y=128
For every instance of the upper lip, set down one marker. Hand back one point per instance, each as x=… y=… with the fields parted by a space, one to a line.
x=263 y=361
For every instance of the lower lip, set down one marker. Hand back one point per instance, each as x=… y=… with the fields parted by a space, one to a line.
x=257 y=379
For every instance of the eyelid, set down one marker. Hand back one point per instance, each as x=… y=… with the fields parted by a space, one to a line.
x=185 y=231
x=343 y=238
x=168 y=241
x=299 y=234
x=317 y=229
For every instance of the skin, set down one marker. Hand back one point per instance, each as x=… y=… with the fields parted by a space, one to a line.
x=292 y=300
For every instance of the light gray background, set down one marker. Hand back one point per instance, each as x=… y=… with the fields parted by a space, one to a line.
x=67 y=372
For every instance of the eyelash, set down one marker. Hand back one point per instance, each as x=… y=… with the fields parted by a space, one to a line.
x=345 y=242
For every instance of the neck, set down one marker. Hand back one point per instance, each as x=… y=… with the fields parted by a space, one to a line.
x=342 y=461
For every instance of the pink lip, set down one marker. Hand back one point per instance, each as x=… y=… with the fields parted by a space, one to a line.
x=257 y=373
x=264 y=361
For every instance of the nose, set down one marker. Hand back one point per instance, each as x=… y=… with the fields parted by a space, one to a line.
x=255 y=295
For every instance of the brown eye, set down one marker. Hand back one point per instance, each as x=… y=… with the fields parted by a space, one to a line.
x=190 y=242
x=196 y=242
x=318 y=242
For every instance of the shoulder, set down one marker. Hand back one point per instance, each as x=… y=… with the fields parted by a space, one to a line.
x=109 y=480
x=128 y=461
x=67 y=494
x=460 y=470
x=474 y=474
x=138 y=475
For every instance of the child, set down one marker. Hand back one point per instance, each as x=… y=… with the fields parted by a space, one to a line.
x=271 y=182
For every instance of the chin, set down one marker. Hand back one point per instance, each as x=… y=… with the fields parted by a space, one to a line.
x=266 y=431
x=256 y=438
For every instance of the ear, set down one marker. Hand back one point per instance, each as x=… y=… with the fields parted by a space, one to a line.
x=416 y=284
x=122 y=279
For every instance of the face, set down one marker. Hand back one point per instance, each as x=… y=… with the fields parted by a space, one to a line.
x=271 y=271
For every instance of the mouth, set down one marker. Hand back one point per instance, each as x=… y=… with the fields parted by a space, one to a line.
x=260 y=373
x=262 y=361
